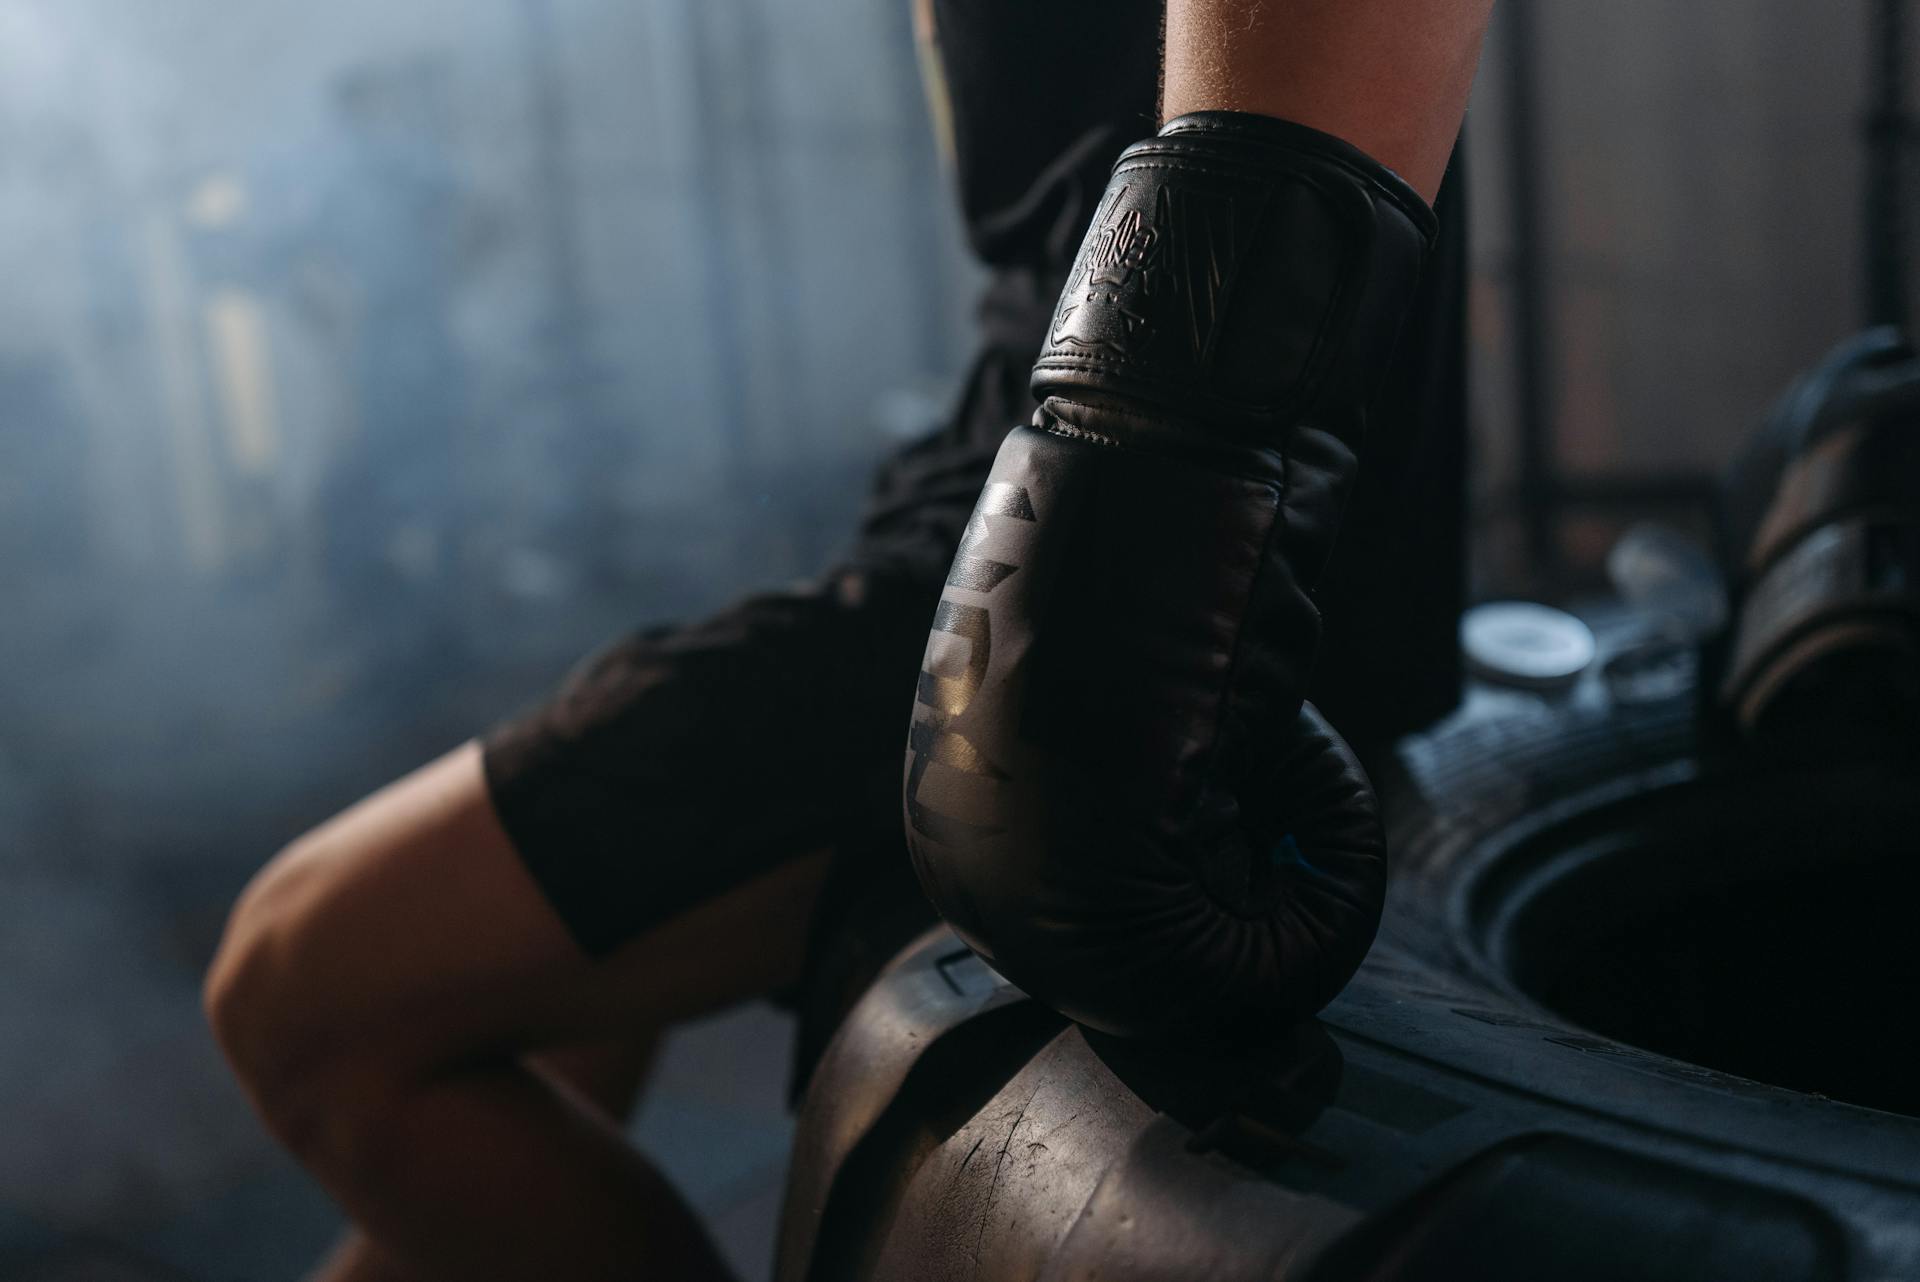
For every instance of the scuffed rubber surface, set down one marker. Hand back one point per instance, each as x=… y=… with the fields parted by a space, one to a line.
x=1433 y=1123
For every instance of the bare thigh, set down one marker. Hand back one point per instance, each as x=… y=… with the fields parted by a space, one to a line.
x=407 y=930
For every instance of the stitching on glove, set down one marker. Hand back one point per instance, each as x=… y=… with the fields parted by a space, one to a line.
x=1072 y=433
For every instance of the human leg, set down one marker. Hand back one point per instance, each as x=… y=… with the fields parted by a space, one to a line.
x=633 y=854
x=606 y=1074
x=381 y=982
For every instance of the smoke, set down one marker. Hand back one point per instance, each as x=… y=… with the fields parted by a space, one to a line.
x=364 y=364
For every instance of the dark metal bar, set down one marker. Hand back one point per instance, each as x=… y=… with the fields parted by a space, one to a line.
x=719 y=249
x=1694 y=494
x=569 y=329
x=1638 y=489
x=1533 y=348
x=574 y=386
x=1887 y=133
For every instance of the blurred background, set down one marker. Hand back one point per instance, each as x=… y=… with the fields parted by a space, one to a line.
x=363 y=365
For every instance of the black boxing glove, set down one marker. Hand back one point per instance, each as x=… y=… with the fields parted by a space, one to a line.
x=1113 y=791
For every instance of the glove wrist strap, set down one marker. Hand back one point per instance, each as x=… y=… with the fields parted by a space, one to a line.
x=1239 y=271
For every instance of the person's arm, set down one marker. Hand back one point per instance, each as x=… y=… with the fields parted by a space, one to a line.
x=1113 y=791
x=1389 y=76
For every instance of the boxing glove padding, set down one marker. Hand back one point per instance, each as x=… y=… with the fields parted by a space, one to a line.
x=1098 y=800
x=1112 y=790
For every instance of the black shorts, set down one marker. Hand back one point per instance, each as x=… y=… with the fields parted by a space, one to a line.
x=683 y=762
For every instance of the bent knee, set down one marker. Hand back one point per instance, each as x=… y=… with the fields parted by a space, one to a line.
x=265 y=999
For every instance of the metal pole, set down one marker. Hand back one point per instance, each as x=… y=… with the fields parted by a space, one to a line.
x=1533 y=348
x=570 y=317
x=590 y=453
x=1886 y=131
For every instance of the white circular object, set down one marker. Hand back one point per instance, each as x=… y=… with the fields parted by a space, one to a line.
x=1520 y=643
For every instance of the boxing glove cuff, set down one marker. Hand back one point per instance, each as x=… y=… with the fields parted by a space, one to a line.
x=1240 y=271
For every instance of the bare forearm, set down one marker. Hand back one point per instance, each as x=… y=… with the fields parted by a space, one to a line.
x=1389 y=76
